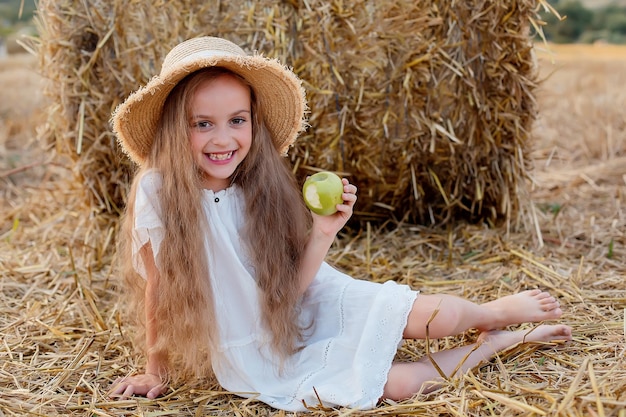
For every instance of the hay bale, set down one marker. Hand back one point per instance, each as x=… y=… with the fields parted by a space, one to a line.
x=426 y=105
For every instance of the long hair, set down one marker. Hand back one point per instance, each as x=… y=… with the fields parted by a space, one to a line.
x=277 y=225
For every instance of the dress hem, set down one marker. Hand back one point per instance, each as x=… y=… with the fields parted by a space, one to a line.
x=399 y=339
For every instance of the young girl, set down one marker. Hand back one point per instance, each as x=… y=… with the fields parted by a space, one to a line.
x=226 y=264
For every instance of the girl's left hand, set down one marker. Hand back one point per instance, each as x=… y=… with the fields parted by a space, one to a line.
x=323 y=233
x=332 y=224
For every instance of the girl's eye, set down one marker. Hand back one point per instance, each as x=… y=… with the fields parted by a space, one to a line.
x=202 y=125
x=238 y=120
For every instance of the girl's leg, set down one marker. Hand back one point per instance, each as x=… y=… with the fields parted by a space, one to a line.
x=406 y=379
x=456 y=315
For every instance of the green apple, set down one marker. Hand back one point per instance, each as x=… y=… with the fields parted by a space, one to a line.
x=322 y=192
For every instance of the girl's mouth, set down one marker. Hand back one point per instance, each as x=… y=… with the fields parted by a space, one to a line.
x=220 y=156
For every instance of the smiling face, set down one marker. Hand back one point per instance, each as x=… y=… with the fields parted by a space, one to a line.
x=221 y=128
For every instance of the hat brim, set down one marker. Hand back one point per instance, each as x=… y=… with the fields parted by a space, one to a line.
x=279 y=90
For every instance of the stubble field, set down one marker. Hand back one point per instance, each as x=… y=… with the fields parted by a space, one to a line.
x=64 y=337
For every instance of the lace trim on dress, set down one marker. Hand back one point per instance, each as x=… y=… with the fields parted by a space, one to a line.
x=391 y=348
x=326 y=349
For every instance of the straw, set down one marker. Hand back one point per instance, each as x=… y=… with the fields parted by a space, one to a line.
x=65 y=337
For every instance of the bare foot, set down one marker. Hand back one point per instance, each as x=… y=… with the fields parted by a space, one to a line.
x=503 y=339
x=407 y=378
x=526 y=306
x=547 y=333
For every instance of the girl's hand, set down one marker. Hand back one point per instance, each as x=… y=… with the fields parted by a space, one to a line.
x=332 y=224
x=323 y=233
x=147 y=385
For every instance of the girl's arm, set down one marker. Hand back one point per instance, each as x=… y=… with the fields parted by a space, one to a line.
x=148 y=384
x=323 y=233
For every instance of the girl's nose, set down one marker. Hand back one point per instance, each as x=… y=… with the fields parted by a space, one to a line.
x=219 y=136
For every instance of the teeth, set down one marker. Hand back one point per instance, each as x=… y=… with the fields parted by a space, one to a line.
x=220 y=156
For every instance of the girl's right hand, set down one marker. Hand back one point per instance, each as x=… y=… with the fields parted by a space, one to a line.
x=147 y=385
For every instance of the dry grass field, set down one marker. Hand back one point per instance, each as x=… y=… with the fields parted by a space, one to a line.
x=64 y=338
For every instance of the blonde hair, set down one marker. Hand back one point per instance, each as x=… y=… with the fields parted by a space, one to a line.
x=276 y=232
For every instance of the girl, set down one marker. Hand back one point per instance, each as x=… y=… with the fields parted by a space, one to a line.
x=226 y=264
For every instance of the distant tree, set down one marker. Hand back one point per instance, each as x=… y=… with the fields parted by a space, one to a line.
x=576 y=20
x=610 y=18
x=616 y=23
x=10 y=11
x=580 y=24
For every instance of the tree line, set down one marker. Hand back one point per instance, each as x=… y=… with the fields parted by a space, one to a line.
x=579 y=24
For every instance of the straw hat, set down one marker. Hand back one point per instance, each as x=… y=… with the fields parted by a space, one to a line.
x=278 y=88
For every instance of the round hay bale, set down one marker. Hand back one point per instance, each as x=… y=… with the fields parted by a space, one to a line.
x=426 y=105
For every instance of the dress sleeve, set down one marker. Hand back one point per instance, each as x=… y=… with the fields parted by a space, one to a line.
x=148 y=224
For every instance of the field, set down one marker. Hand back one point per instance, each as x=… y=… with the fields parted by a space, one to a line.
x=64 y=338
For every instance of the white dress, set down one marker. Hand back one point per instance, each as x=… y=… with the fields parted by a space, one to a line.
x=357 y=324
